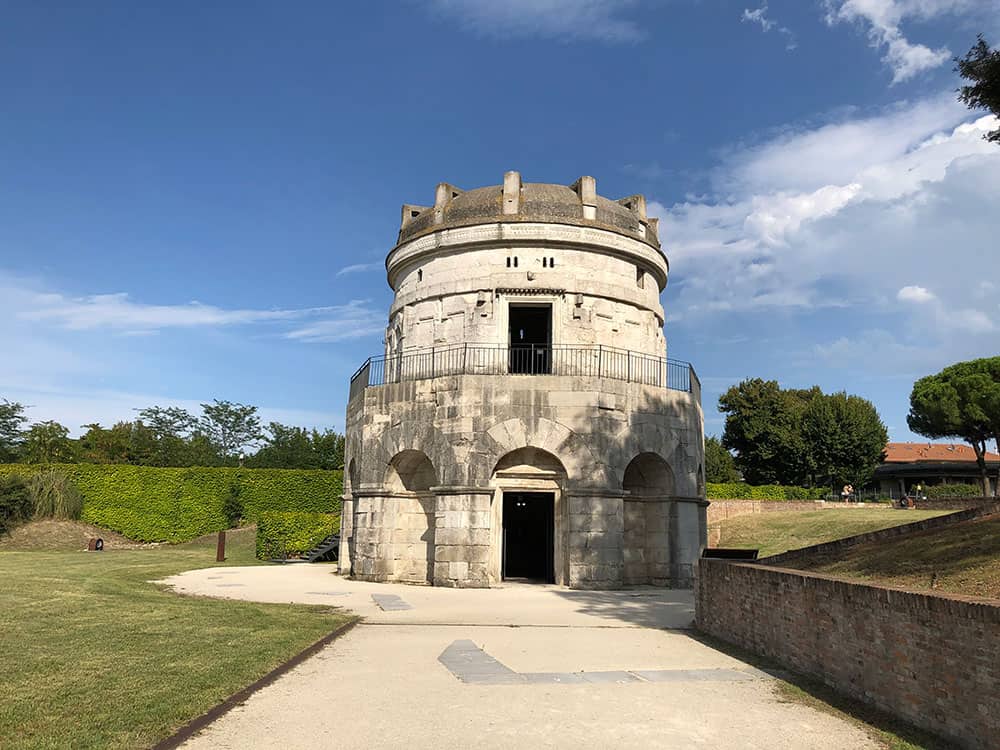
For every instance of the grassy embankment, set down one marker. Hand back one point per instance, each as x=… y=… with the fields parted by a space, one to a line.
x=960 y=559
x=776 y=532
x=96 y=656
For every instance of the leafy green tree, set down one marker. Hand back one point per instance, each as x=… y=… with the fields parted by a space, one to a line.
x=981 y=66
x=763 y=427
x=48 y=442
x=963 y=402
x=801 y=436
x=845 y=439
x=230 y=426
x=11 y=420
x=107 y=446
x=170 y=427
x=288 y=447
x=719 y=463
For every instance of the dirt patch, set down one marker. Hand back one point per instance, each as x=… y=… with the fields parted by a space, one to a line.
x=50 y=534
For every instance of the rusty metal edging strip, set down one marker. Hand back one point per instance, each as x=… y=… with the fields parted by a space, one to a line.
x=199 y=723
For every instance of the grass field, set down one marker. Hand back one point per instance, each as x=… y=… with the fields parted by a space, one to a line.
x=776 y=532
x=95 y=656
x=960 y=559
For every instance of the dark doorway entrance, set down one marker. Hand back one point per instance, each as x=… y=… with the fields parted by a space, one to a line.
x=530 y=339
x=528 y=536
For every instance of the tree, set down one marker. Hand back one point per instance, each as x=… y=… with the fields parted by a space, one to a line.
x=170 y=428
x=288 y=447
x=962 y=402
x=981 y=65
x=801 y=436
x=719 y=463
x=111 y=446
x=48 y=442
x=763 y=427
x=845 y=439
x=11 y=419
x=230 y=426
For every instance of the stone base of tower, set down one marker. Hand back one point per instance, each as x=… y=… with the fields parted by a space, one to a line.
x=470 y=481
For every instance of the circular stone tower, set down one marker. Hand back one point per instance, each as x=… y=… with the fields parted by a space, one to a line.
x=524 y=421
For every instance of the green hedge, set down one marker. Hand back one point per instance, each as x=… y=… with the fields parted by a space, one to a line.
x=153 y=504
x=742 y=491
x=280 y=535
x=944 y=491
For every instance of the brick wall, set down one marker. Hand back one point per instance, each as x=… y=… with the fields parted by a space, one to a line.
x=929 y=659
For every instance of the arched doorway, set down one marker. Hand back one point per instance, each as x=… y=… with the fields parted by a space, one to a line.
x=407 y=483
x=649 y=486
x=528 y=526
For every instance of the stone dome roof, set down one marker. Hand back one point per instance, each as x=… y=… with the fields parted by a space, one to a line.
x=515 y=201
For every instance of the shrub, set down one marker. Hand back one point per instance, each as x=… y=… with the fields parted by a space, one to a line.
x=53 y=495
x=743 y=491
x=232 y=506
x=153 y=504
x=15 y=502
x=944 y=491
x=282 y=534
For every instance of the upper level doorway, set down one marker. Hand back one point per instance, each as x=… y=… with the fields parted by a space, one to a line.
x=530 y=338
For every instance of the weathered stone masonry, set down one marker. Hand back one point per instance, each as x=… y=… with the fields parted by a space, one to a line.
x=587 y=421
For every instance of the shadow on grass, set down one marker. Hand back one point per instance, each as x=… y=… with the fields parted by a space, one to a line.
x=890 y=731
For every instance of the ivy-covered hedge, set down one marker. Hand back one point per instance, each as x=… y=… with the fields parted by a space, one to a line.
x=153 y=504
x=742 y=491
x=280 y=535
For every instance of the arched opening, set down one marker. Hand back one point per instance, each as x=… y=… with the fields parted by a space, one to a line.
x=649 y=484
x=409 y=513
x=527 y=516
x=352 y=476
x=410 y=471
x=648 y=474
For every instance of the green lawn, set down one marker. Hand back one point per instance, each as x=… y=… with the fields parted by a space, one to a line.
x=95 y=656
x=776 y=531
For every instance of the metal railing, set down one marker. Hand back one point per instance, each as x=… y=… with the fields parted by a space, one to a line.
x=528 y=359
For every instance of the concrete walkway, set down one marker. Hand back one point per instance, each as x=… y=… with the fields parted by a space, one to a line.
x=509 y=667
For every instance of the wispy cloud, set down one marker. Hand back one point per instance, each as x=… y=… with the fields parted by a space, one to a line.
x=120 y=313
x=759 y=17
x=883 y=19
x=601 y=20
x=360 y=268
x=354 y=320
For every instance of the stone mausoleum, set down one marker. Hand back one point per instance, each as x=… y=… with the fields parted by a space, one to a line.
x=524 y=421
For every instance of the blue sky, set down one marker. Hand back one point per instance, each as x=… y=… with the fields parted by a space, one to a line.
x=196 y=198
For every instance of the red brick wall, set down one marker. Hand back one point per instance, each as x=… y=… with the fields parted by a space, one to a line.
x=932 y=660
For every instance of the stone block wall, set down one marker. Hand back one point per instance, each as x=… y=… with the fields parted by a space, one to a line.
x=462 y=539
x=595 y=544
x=929 y=659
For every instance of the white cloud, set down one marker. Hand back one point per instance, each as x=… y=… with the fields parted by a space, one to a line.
x=558 y=19
x=120 y=313
x=916 y=294
x=846 y=215
x=360 y=268
x=883 y=19
x=354 y=320
x=759 y=17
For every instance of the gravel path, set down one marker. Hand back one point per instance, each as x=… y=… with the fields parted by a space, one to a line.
x=510 y=667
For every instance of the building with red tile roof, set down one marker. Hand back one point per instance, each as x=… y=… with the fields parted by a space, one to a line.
x=908 y=464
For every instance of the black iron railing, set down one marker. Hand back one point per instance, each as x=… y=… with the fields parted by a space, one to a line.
x=528 y=359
